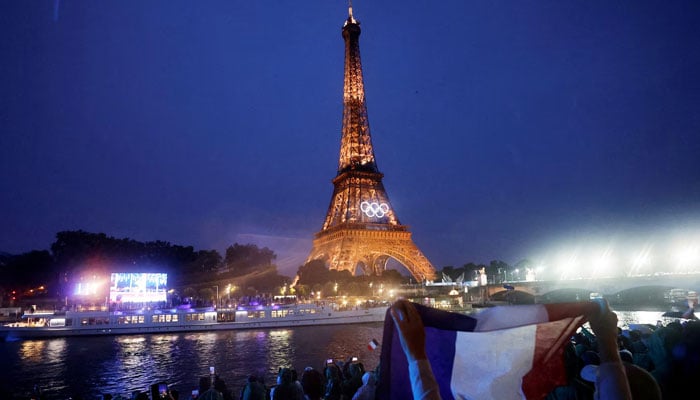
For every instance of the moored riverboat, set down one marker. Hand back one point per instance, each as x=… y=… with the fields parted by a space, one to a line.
x=47 y=324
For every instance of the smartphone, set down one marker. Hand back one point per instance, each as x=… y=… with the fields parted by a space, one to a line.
x=329 y=361
x=159 y=390
x=195 y=393
x=211 y=370
x=354 y=359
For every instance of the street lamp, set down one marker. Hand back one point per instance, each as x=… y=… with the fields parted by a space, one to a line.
x=217 y=296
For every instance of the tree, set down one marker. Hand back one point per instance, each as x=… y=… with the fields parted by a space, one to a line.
x=204 y=261
x=313 y=272
x=302 y=290
x=498 y=269
x=471 y=271
x=266 y=281
x=393 y=276
x=342 y=277
x=242 y=259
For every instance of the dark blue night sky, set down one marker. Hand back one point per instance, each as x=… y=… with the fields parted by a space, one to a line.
x=505 y=129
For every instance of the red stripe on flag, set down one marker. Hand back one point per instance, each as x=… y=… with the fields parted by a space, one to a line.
x=548 y=366
x=557 y=311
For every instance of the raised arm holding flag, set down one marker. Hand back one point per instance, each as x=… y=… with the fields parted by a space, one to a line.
x=510 y=352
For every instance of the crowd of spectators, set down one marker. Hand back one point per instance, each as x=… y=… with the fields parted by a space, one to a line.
x=661 y=361
x=339 y=380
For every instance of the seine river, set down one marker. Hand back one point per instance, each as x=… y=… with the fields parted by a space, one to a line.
x=89 y=367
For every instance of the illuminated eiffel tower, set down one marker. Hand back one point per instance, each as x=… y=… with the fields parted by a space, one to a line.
x=361 y=229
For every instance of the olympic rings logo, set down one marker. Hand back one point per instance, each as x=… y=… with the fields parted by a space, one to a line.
x=374 y=209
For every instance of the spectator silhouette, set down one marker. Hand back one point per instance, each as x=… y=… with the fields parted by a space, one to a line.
x=333 y=383
x=287 y=387
x=352 y=381
x=254 y=389
x=368 y=389
x=312 y=383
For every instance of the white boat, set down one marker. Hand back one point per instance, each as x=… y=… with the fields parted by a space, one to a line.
x=40 y=324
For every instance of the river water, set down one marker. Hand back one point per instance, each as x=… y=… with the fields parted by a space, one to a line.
x=89 y=367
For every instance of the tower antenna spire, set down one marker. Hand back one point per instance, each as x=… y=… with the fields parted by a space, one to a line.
x=350 y=17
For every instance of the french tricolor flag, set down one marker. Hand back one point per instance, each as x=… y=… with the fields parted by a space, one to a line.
x=504 y=353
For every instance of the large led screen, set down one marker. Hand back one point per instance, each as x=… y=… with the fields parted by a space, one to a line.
x=138 y=287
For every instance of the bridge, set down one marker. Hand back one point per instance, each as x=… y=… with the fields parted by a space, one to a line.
x=648 y=287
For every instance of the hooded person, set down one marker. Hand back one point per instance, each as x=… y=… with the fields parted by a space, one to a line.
x=368 y=389
x=287 y=388
x=312 y=382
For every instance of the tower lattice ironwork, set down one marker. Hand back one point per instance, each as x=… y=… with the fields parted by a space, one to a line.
x=361 y=228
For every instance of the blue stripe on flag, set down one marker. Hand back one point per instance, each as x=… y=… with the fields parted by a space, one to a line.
x=441 y=332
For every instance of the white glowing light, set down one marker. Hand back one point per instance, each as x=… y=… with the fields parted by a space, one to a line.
x=530 y=275
x=641 y=261
x=374 y=209
x=603 y=263
x=688 y=256
x=568 y=266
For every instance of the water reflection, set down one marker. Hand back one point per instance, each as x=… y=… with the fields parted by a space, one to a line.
x=627 y=318
x=55 y=349
x=134 y=357
x=32 y=350
x=280 y=350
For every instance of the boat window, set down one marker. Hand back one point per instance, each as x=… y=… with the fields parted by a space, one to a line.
x=281 y=313
x=131 y=319
x=195 y=317
x=164 y=318
x=93 y=321
x=256 y=314
x=226 y=317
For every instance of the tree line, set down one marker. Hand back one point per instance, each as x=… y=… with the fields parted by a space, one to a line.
x=251 y=269
x=77 y=253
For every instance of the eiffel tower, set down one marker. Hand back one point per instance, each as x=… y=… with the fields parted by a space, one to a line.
x=361 y=229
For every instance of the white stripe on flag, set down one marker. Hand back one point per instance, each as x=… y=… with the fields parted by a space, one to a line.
x=510 y=316
x=491 y=365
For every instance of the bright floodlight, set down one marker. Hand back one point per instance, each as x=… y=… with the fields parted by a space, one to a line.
x=641 y=261
x=603 y=264
x=687 y=257
x=568 y=266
